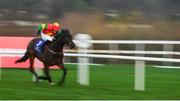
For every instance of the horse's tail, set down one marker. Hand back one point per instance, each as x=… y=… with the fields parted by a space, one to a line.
x=23 y=59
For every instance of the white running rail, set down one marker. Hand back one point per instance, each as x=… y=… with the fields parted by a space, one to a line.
x=139 y=64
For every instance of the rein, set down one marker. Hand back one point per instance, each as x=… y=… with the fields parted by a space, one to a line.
x=56 y=53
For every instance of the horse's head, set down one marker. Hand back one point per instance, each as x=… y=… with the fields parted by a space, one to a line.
x=67 y=38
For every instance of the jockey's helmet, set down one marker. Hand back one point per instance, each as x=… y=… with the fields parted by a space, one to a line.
x=50 y=26
x=56 y=26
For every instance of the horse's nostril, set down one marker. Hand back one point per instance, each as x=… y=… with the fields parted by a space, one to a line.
x=72 y=45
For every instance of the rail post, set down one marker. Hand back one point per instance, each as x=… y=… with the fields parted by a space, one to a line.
x=0 y=67
x=113 y=47
x=139 y=70
x=168 y=47
x=83 y=62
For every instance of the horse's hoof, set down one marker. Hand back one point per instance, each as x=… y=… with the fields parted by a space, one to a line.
x=52 y=84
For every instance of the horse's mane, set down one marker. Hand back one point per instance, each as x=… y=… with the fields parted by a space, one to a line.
x=62 y=32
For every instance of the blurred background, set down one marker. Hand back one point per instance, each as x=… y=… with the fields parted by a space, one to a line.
x=103 y=19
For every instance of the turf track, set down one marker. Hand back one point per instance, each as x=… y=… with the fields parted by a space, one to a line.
x=109 y=82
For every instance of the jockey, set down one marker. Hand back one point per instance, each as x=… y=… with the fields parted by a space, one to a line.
x=48 y=32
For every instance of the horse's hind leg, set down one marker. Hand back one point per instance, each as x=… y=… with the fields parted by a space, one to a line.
x=48 y=76
x=31 y=68
x=64 y=74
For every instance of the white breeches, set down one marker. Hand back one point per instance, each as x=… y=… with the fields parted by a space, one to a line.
x=46 y=37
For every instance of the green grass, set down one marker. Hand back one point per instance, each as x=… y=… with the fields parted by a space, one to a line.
x=109 y=82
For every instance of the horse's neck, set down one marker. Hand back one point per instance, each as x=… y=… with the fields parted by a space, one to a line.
x=57 y=45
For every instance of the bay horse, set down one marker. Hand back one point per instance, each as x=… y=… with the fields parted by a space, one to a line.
x=52 y=54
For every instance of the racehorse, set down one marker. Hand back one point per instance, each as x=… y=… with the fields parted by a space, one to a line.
x=52 y=54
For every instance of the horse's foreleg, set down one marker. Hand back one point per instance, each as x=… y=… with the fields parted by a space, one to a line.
x=64 y=74
x=46 y=71
x=31 y=68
